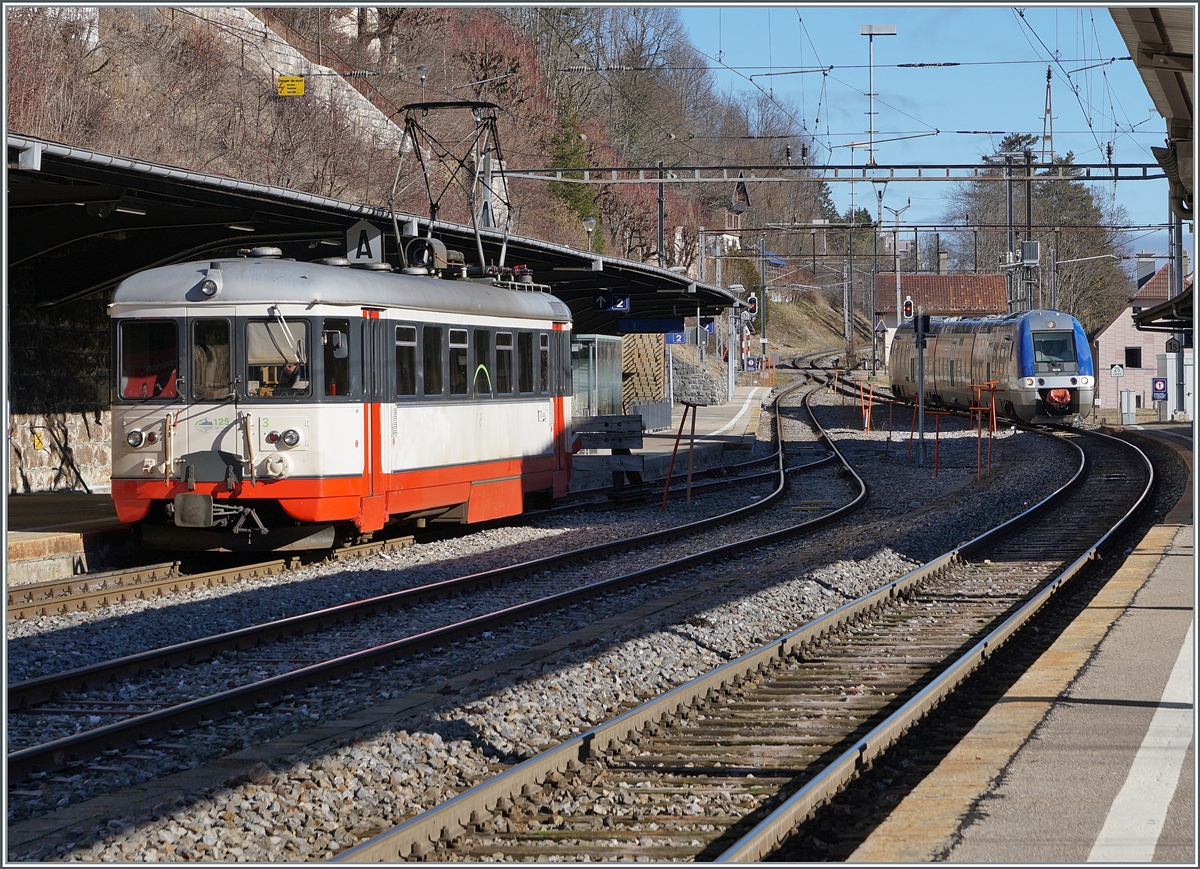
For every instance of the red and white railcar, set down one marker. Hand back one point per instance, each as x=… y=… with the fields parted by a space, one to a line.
x=264 y=403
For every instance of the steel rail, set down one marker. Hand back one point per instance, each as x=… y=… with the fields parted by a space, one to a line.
x=86 y=592
x=48 y=687
x=458 y=815
x=59 y=752
x=418 y=834
x=770 y=833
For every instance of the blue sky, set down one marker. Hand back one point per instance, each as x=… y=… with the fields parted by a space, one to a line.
x=999 y=84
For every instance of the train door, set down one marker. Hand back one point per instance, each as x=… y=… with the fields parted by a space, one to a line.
x=208 y=441
x=377 y=396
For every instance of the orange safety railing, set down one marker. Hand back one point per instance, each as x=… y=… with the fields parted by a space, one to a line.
x=978 y=409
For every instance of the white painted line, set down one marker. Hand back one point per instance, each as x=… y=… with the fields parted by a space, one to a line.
x=740 y=413
x=1135 y=821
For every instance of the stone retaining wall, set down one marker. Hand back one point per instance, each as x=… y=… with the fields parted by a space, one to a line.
x=60 y=452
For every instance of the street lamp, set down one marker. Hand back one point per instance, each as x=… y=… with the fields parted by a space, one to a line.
x=1055 y=263
x=880 y=185
x=589 y=224
x=871 y=31
x=896 y=212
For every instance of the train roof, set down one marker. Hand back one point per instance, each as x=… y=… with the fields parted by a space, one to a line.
x=270 y=280
x=1037 y=319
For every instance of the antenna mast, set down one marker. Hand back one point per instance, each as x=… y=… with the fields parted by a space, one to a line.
x=1048 y=126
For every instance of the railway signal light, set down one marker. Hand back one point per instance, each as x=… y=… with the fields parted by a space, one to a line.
x=752 y=302
x=908 y=309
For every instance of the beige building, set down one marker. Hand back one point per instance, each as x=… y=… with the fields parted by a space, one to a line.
x=1119 y=346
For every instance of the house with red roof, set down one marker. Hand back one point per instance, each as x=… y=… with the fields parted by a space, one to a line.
x=940 y=295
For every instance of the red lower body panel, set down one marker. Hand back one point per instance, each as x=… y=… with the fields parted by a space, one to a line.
x=489 y=491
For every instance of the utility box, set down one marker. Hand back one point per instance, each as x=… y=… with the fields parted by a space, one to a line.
x=1128 y=407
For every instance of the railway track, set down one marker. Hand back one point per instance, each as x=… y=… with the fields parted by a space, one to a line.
x=102 y=589
x=172 y=720
x=724 y=767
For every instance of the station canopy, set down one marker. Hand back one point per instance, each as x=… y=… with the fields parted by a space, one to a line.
x=80 y=221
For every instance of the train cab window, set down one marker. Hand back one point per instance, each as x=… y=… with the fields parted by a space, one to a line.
x=544 y=363
x=335 y=334
x=406 y=360
x=482 y=384
x=277 y=360
x=1053 y=350
x=149 y=359
x=212 y=377
x=459 y=363
x=504 y=363
x=525 y=362
x=431 y=360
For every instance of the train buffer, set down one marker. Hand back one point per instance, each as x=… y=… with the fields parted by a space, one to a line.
x=620 y=435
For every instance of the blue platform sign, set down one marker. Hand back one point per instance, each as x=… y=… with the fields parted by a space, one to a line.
x=1158 y=389
x=610 y=302
x=676 y=337
x=650 y=326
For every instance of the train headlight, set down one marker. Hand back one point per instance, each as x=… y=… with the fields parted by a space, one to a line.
x=290 y=438
x=1029 y=381
x=151 y=437
x=1041 y=381
x=209 y=287
x=272 y=437
x=1085 y=381
x=135 y=438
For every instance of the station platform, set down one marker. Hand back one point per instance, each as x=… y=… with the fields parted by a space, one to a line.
x=719 y=430
x=1090 y=756
x=54 y=535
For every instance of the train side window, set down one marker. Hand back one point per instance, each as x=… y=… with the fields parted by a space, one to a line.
x=431 y=360
x=459 y=377
x=544 y=364
x=504 y=363
x=481 y=382
x=335 y=332
x=406 y=360
x=525 y=362
x=149 y=353
x=277 y=359
x=212 y=377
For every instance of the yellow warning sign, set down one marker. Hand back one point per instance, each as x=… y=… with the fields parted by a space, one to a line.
x=291 y=86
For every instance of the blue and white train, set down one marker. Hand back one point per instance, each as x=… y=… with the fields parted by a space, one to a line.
x=1038 y=362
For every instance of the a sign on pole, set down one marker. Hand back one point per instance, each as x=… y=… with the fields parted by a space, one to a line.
x=1172 y=345
x=881 y=328
x=290 y=86
x=676 y=337
x=1116 y=370
x=1158 y=389
x=364 y=243
x=609 y=302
